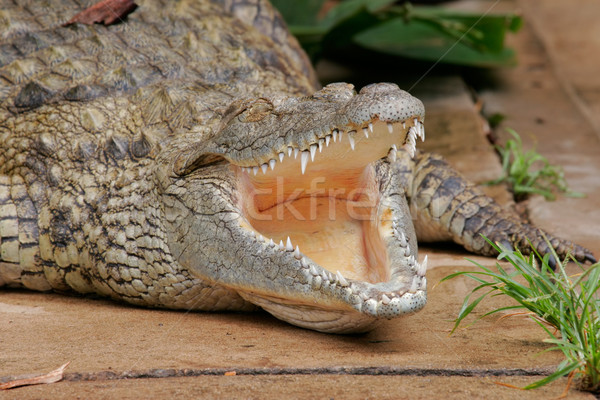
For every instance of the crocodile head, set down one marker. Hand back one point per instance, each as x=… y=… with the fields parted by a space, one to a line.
x=290 y=202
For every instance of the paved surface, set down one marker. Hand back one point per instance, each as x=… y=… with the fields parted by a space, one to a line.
x=118 y=351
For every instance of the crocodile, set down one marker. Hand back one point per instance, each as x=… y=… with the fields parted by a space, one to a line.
x=186 y=157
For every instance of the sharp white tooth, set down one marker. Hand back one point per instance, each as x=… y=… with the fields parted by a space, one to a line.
x=255 y=170
x=304 y=262
x=363 y=296
x=327 y=140
x=304 y=160
x=407 y=252
x=371 y=127
x=392 y=156
x=313 y=150
x=415 y=284
x=424 y=282
x=324 y=275
x=321 y=141
x=281 y=155
x=334 y=133
x=404 y=125
x=290 y=151
x=351 y=139
x=281 y=246
x=384 y=299
x=288 y=245
x=297 y=253
x=341 y=133
x=394 y=147
x=296 y=150
x=343 y=282
x=415 y=122
x=243 y=169
x=390 y=128
x=313 y=270
x=403 y=241
x=366 y=132
x=264 y=168
x=271 y=243
x=422 y=268
x=272 y=163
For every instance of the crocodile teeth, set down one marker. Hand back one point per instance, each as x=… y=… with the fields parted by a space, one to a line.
x=422 y=268
x=296 y=153
x=371 y=127
x=420 y=129
x=327 y=140
x=366 y=132
x=290 y=151
x=390 y=128
x=334 y=133
x=313 y=151
x=281 y=246
x=255 y=170
x=304 y=262
x=304 y=160
x=313 y=270
x=271 y=243
x=414 y=285
x=264 y=168
x=343 y=282
x=297 y=253
x=281 y=155
x=272 y=163
x=392 y=155
x=411 y=141
x=404 y=125
x=352 y=143
x=321 y=141
x=288 y=245
x=341 y=134
x=403 y=241
x=384 y=299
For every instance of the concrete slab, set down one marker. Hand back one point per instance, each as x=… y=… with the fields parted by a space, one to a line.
x=108 y=343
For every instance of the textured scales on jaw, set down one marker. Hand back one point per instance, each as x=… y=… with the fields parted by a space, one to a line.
x=379 y=304
x=313 y=123
x=335 y=137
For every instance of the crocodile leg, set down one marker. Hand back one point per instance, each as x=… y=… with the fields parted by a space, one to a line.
x=445 y=206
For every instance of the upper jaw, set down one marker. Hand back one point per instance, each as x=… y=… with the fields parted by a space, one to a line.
x=255 y=133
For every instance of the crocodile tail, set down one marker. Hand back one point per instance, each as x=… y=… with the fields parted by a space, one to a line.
x=20 y=264
x=445 y=206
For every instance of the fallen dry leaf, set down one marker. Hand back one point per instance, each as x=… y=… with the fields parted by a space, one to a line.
x=104 y=12
x=50 y=377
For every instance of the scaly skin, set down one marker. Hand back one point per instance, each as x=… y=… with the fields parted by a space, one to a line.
x=135 y=158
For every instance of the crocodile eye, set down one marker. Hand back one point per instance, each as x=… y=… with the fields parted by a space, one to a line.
x=256 y=111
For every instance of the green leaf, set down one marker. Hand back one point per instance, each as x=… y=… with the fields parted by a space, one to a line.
x=420 y=39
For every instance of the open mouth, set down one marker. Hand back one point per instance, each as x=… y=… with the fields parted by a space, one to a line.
x=324 y=202
x=324 y=205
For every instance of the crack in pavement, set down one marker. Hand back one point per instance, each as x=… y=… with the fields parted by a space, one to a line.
x=374 y=371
